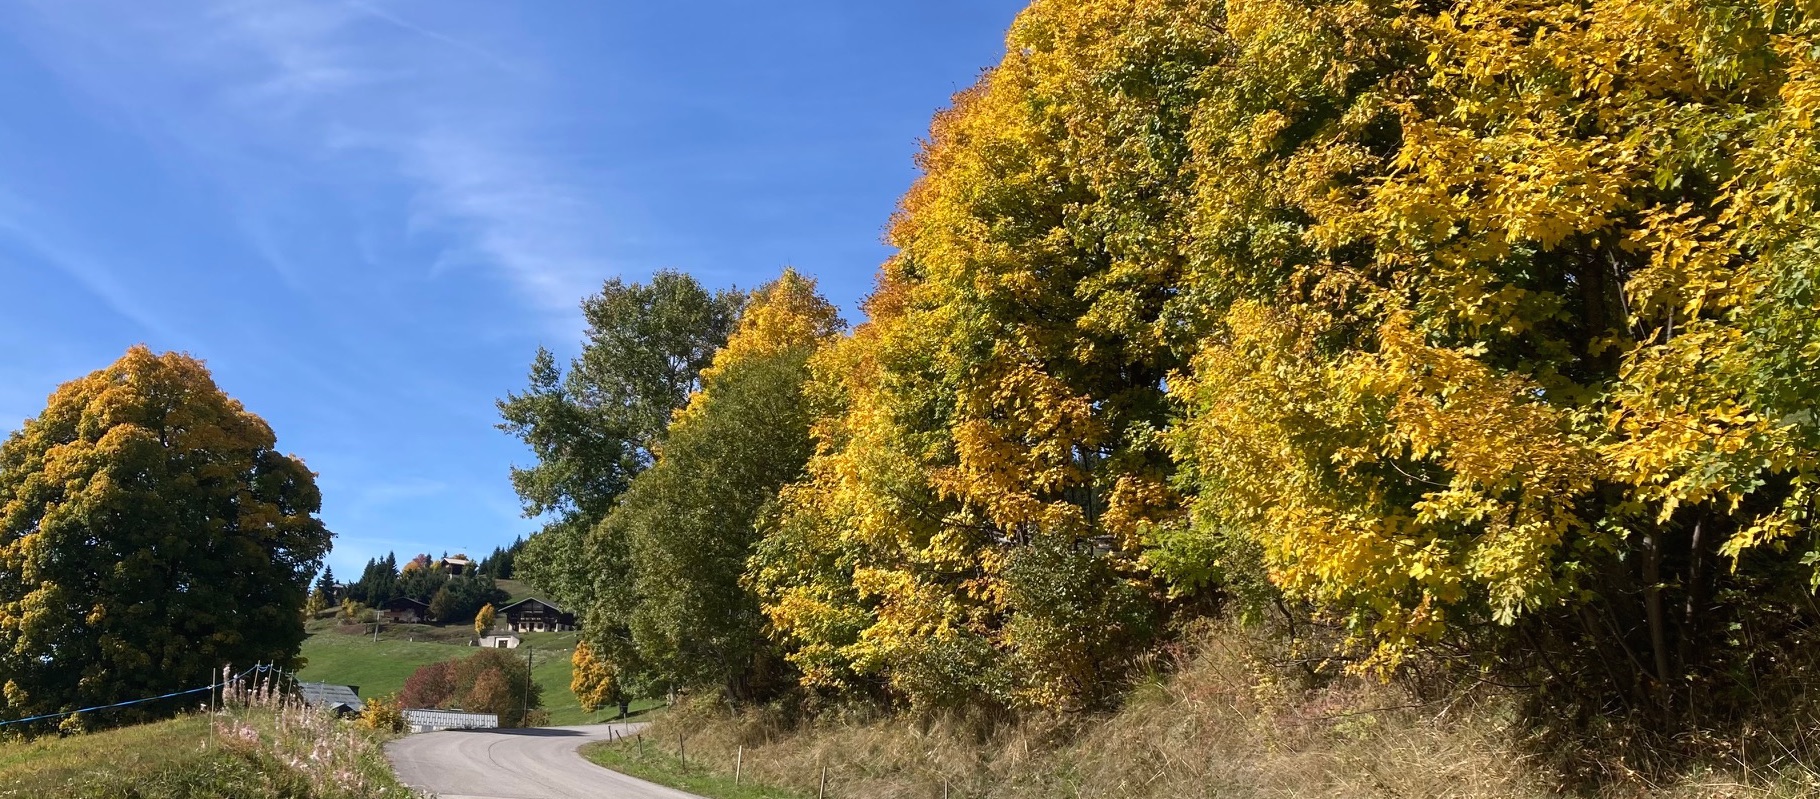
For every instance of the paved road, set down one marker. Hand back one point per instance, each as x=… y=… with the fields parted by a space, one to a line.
x=536 y=763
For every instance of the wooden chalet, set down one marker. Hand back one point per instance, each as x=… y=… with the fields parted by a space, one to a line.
x=534 y=615
x=405 y=610
x=456 y=566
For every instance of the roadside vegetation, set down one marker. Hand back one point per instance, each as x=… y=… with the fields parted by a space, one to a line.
x=664 y=766
x=1237 y=718
x=1264 y=398
x=257 y=747
x=1456 y=356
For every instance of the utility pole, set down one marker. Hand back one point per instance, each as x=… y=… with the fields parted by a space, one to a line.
x=527 y=709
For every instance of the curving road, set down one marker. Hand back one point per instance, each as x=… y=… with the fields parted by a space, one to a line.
x=538 y=763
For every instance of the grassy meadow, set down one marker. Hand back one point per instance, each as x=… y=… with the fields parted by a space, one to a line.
x=349 y=655
x=655 y=764
x=249 y=757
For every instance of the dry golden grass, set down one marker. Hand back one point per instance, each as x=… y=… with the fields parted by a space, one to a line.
x=1224 y=724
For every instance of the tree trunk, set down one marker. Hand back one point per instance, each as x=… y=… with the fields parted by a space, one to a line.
x=1652 y=606
x=1694 y=598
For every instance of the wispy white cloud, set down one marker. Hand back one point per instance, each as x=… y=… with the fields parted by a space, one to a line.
x=475 y=177
x=469 y=47
x=315 y=92
x=42 y=239
x=537 y=229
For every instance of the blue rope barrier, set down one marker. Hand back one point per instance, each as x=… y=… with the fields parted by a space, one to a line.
x=209 y=687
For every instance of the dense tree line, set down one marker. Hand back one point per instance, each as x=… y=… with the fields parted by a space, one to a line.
x=378 y=583
x=501 y=563
x=1483 y=334
x=451 y=598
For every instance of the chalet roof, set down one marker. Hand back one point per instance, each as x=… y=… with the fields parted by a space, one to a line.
x=322 y=694
x=528 y=600
x=396 y=602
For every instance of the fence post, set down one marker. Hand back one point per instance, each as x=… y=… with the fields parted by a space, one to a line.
x=682 y=753
x=822 y=792
x=739 y=760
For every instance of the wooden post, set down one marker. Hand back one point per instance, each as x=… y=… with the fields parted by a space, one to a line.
x=822 y=792
x=527 y=708
x=739 y=760
x=682 y=753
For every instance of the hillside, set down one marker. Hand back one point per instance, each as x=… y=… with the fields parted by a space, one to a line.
x=350 y=656
x=518 y=590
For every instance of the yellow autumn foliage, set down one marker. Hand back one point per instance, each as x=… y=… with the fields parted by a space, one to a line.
x=1423 y=318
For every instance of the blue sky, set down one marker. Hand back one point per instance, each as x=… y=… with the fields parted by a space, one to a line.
x=366 y=215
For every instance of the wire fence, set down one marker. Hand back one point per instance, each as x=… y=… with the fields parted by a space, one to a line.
x=224 y=682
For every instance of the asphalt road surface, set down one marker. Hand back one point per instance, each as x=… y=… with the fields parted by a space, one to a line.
x=540 y=763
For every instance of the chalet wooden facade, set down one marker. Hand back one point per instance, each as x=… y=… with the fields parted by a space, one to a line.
x=405 y=610
x=536 y=616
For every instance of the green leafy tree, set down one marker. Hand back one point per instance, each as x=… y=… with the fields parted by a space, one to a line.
x=149 y=534
x=691 y=520
x=417 y=580
x=442 y=605
x=593 y=428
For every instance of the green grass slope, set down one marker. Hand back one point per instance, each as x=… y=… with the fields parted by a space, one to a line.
x=519 y=590
x=378 y=668
x=350 y=656
x=177 y=759
x=653 y=764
